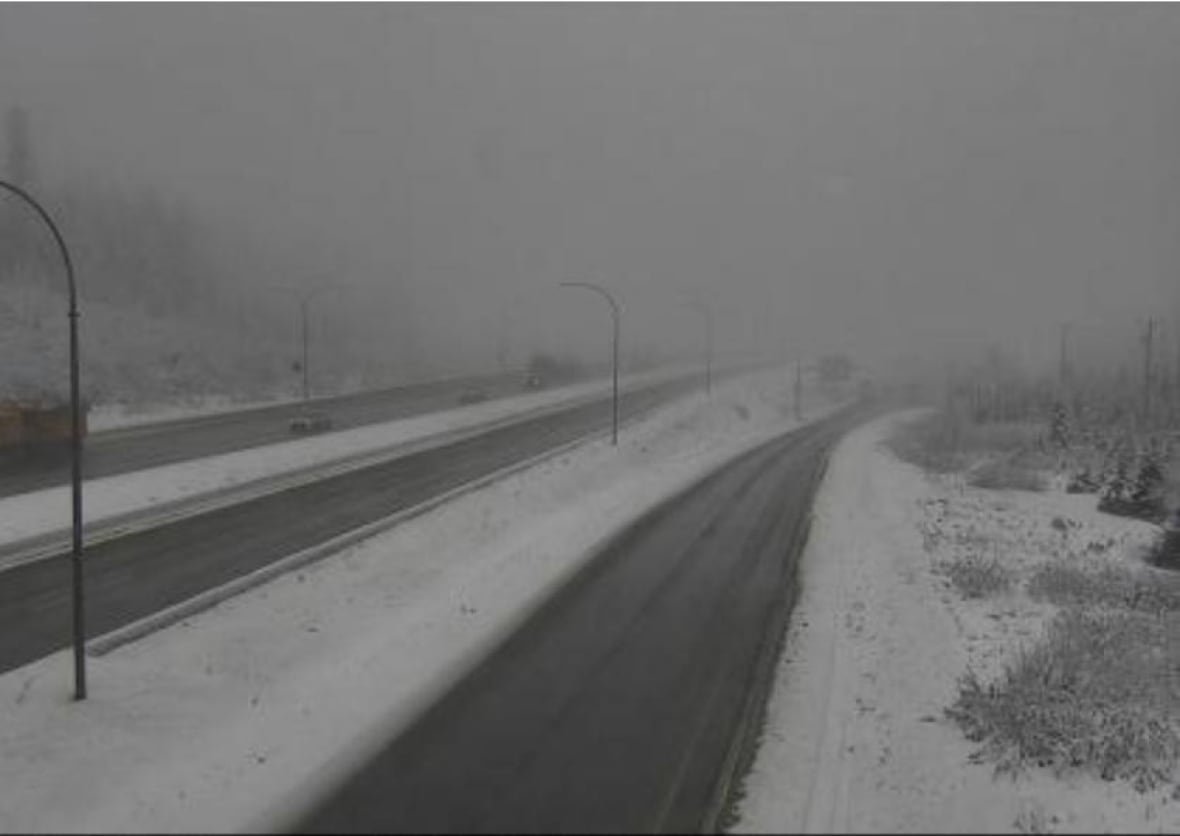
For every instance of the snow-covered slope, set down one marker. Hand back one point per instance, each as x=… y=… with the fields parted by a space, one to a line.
x=129 y=356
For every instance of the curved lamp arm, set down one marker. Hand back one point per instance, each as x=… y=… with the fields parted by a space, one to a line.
x=601 y=291
x=614 y=306
x=57 y=237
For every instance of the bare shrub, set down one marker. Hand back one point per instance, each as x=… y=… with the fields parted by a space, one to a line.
x=931 y=442
x=1064 y=584
x=1165 y=552
x=1005 y=475
x=977 y=576
x=948 y=441
x=1096 y=694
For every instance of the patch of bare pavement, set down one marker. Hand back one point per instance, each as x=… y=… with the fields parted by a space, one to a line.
x=617 y=705
x=962 y=659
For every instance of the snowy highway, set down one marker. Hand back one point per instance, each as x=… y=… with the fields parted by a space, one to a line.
x=725 y=418
x=622 y=704
x=127 y=449
x=131 y=577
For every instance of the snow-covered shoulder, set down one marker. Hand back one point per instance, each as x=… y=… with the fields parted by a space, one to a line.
x=856 y=737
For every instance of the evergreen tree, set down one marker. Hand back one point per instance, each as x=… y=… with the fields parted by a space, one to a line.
x=1140 y=496
x=1059 y=427
x=1146 y=492
x=1116 y=485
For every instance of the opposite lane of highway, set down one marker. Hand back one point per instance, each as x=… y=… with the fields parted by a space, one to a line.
x=116 y=451
x=130 y=577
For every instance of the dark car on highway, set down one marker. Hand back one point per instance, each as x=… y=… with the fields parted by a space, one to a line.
x=470 y=396
x=310 y=422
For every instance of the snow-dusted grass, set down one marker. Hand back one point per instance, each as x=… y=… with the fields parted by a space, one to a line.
x=993 y=455
x=42 y=512
x=1097 y=694
x=977 y=575
x=1085 y=694
x=237 y=717
x=881 y=644
x=1074 y=583
x=1006 y=475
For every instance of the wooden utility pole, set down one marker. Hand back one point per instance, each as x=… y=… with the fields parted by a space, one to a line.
x=1175 y=388
x=1063 y=371
x=1177 y=338
x=1148 y=337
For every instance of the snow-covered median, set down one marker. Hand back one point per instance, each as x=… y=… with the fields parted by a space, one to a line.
x=42 y=512
x=119 y=416
x=856 y=738
x=234 y=718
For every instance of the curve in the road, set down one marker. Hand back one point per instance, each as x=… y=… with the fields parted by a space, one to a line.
x=614 y=708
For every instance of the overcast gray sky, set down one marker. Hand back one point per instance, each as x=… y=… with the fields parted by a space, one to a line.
x=876 y=177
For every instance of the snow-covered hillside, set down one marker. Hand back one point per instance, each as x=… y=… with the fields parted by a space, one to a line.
x=129 y=356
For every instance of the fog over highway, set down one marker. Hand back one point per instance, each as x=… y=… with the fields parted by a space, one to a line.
x=895 y=181
x=413 y=416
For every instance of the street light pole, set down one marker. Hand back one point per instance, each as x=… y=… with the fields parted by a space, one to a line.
x=1063 y=363
x=79 y=610
x=305 y=298
x=614 y=307
x=303 y=303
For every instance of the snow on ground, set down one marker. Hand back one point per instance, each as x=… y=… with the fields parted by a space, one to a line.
x=127 y=353
x=41 y=512
x=114 y=416
x=234 y=717
x=855 y=738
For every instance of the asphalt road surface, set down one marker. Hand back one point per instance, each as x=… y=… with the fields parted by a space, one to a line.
x=614 y=707
x=138 y=574
x=116 y=451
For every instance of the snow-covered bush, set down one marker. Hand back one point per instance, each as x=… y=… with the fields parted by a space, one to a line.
x=1002 y=474
x=1093 y=695
x=1135 y=486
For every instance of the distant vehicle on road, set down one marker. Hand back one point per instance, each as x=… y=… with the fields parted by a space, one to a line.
x=310 y=422
x=470 y=396
x=835 y=368
x=546 y=369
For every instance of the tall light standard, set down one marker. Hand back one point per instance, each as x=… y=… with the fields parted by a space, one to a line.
x=75 y=444
x=614 y=307
x=1063 y=360
x=304 y=301
x=305 y=298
